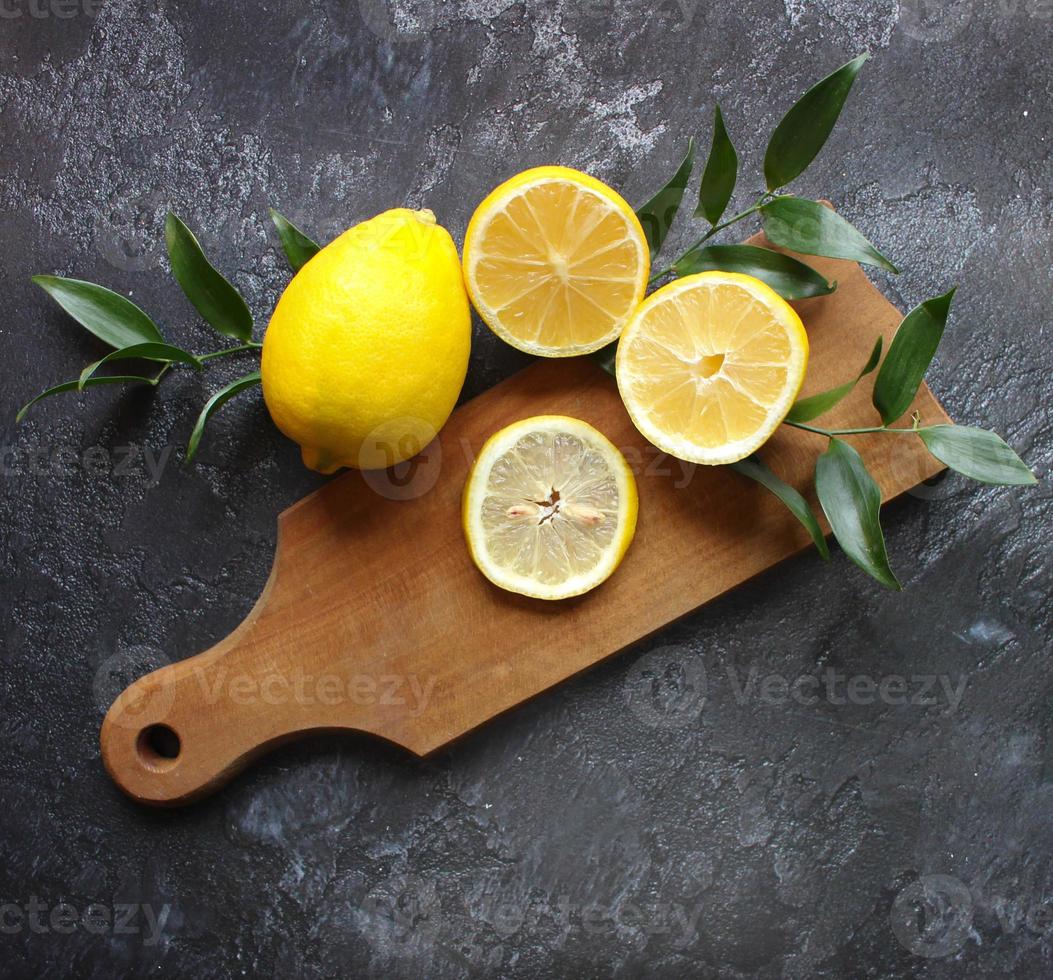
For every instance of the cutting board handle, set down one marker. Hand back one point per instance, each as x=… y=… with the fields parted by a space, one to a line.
x=186 y=729
x=182 y=731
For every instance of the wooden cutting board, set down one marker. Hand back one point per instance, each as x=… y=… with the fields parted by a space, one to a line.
x=374 y=618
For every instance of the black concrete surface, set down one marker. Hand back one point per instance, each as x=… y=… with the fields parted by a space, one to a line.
x=688 y=809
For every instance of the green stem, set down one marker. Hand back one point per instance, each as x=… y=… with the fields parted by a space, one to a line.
x=761 y=201
x=251 y=345
x=848 y=432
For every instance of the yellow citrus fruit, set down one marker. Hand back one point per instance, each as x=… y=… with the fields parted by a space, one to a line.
x=549 y=508
x=368 y=346
x=710 y=364
x=555 y=262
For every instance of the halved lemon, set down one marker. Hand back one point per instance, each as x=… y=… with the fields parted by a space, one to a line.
x=555 y=262
x=549 y=507
x=710 y=364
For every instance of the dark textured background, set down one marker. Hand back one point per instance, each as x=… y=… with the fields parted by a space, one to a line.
x=657 y=816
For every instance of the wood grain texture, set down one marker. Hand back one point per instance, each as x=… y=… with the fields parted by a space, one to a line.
x=374 y=618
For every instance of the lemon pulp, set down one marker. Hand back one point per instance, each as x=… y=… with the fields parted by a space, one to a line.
x=555 y=262
x=710 y=364
x=549 y=508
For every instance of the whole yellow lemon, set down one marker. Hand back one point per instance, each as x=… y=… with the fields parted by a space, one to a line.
x=367 y=349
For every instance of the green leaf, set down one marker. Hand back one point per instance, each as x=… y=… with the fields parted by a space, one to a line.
x=851 y=501
x=804 y=129
x=756 y=470
x=142 y=352
x=112 y=379
x=789 y=277
x=215 y=298
x=605 y=357
x=976 y=453
x=872 y=361
x=909 y=356
x=115 y=320
x=297 y=246
x=809 y=228
x=216 y=402
x=656 y=216
x=806 y=409
x=718 y=179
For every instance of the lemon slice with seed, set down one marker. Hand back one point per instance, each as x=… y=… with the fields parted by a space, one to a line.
x=555 y=262
x=549 y=508
x=710 y=364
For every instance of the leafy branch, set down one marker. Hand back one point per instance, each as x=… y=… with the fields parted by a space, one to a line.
x=134 y=336
x=803 y=226
x=847 y=493
x=845 y=488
